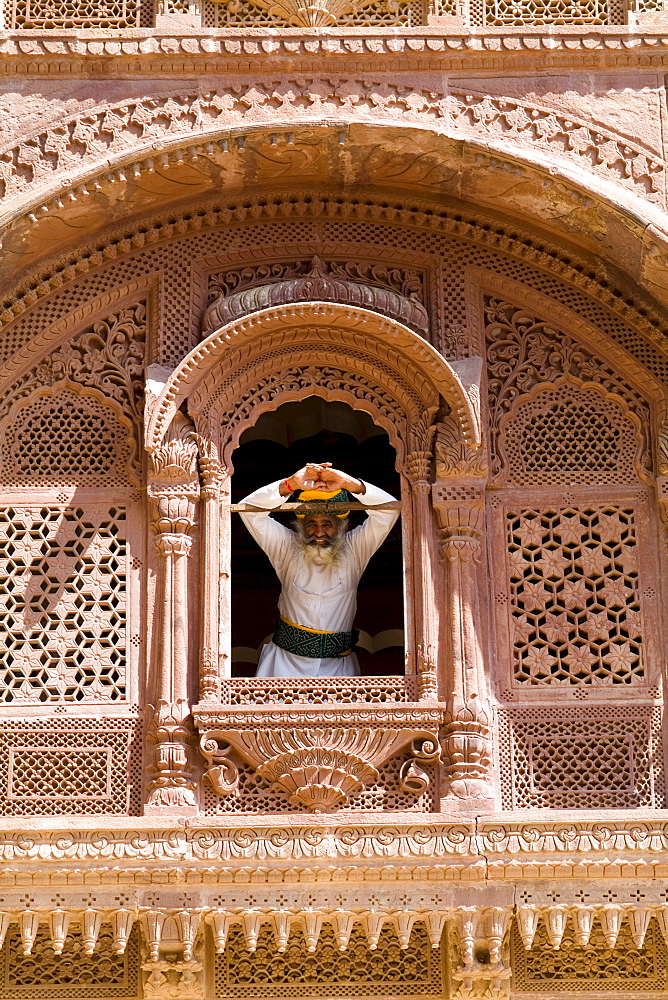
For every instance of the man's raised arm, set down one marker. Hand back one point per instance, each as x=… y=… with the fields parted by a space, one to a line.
x=271 y=536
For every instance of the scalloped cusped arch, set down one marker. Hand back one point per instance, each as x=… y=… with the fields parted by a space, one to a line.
x=293 y=351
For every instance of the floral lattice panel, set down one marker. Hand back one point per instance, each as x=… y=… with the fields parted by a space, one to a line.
x=572 y=606
x=594 y=757
x=576 y=970
x=388 y=971
x=80 y=767
x=73 y=975
x=63 y=604
x=517 y=12
x=74 y=14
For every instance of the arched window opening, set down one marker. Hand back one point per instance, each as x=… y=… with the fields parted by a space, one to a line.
x=276 y=446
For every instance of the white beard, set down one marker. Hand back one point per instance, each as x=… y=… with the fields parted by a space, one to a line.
x=321 y=555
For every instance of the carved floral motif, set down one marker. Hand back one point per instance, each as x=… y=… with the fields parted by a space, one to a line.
x=322 y=282
x=319 y=766
x=108 y=356
x=524 y=351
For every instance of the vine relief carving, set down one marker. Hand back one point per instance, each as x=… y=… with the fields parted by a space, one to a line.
x=526 y=357
x=405 y=281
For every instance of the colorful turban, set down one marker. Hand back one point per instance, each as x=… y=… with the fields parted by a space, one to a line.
x=308 y=496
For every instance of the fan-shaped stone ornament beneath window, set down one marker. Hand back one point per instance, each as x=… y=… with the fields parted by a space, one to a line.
x=319 y=767
x=321 y=14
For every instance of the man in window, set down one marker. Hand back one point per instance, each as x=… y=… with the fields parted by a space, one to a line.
x=319 y=566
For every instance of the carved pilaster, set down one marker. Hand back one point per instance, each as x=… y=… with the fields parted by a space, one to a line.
x=480 y=957
x=662 y=497
x=458 y=498
x=213 y=480
x=173 y=968
x=418 y=471
x=174 y=491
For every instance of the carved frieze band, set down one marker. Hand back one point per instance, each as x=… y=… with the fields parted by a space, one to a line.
x=297 y=206
x=112 y=130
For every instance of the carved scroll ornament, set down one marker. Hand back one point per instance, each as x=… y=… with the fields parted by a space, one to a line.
x=320 y=762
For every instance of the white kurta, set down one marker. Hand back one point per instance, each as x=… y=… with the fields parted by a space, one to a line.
x=315 y=593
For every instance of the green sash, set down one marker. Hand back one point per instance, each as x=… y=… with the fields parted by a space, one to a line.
x=303 y=641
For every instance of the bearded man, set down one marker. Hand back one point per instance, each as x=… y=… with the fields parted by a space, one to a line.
x=319 y=566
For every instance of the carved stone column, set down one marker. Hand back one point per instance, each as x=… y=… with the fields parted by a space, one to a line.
x=418 y=472
x=459 y=502
x=174 y=491
x=213 y=476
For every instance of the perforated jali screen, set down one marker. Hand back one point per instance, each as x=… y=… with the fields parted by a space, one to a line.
x=574 y=970
x=72 y=975
x=388 y=971
x=63 y=603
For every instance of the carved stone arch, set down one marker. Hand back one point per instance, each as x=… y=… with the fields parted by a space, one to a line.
x=380 y=349
x=541 y=343
x=33 y=207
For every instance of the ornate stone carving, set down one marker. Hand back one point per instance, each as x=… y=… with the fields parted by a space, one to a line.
x=89 y=391
x=110 y=129
x=572 y=270
x=318 y=764
x=525 y=352
x=173 y=980
x=364 y=350
x=405 y=281
x=454 y=457
x=174 y=490
x=419 y=451
x=481 y=965
x=458 y=498
x=321 y=282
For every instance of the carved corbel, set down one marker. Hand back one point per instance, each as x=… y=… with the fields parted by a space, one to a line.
x=320 y=764
x=173 y=490
x=482 y=954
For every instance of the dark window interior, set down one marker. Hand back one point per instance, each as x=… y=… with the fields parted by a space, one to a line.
x=276 y=446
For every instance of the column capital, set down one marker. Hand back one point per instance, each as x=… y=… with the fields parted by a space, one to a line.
x=171 y=543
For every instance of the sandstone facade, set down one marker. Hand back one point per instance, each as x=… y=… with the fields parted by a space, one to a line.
x=452 y=220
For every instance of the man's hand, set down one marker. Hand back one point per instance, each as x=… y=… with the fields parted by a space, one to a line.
x=322 y=477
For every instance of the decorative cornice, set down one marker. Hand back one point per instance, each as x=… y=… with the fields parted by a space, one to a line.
x=605 y=838
x=214 y=51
